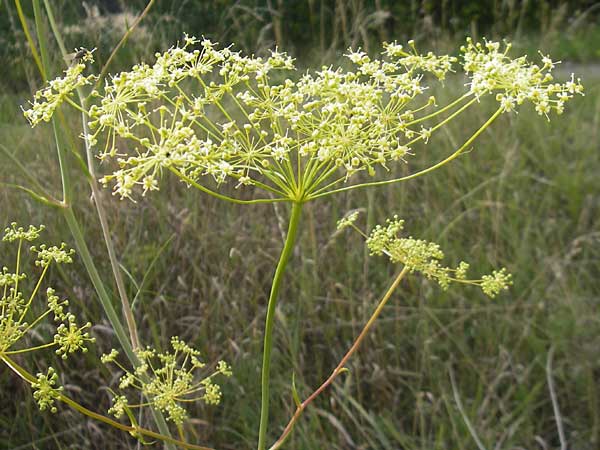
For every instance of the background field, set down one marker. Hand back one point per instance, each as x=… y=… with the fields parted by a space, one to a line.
x=526 y=197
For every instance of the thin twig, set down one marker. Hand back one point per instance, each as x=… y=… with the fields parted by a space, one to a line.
x=468 y=423
x=557 y=416
x=341 y=366
x=139 y=18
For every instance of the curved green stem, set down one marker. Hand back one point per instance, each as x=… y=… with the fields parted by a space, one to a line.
x=268 y=340
x=454 y=155
x=439 y=111
x=124 y=38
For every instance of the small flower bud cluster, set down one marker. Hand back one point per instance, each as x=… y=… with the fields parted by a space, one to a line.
x=168 y=380
x=119 y=406
x=70 y=337
x=58 y=255
x=45 y=391
x=15 y=306
x=56 y=305
x=347 y=220
x=493 y=284
x=15 y=232
x=516 y=80
x=424 y=257
x=48 y=99
x=9 y=278
x=437 y=65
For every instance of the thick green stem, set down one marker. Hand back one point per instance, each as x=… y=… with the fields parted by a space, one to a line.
x=269 y=321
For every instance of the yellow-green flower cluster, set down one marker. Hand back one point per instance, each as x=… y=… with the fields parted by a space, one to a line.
x=516 y=80
x=424 y=257
x=8 y=279
x=56 y=305
x=493 y=284
x=48 y=99
x=46 y=255
x=17 y=318
x=15 y=232
x=70 y=337
x=45 y=391
x=202 y=111
x=347 y=220
x=213 y=112
x=168 y=380
x=437 y=65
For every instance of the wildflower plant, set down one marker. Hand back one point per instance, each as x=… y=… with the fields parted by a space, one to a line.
x=212 y=116
x=170 y=380
x=213 y=113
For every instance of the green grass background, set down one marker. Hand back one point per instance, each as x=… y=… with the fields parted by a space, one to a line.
x=526 y=197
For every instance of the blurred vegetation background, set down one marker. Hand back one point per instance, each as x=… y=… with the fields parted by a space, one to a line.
x=527 y=197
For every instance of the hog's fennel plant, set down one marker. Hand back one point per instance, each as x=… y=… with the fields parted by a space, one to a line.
x=211 y=115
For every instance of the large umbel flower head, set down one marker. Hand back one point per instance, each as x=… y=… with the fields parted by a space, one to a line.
x=203 y=112
x=217 y=113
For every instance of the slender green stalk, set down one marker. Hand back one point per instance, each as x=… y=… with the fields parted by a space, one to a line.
x=133 y=26
x=45 y=69
x=42 y=198
x=439 y=111
x=34 y=292
x=340 y=367
x=269 y=321
x=30 y=349
x=34 y=53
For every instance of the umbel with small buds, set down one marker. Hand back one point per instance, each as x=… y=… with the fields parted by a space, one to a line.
x=215 y=113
